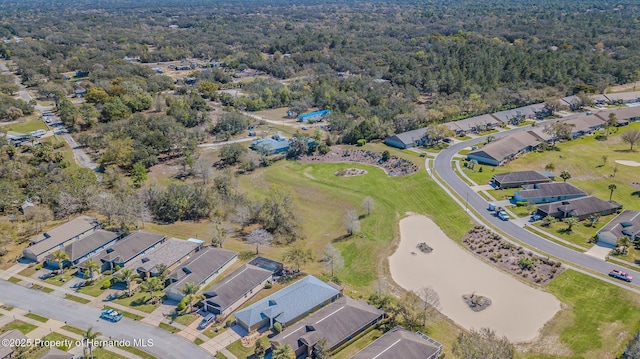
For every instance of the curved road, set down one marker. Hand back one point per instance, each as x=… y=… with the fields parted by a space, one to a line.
x=165 y=344
x=443 y=167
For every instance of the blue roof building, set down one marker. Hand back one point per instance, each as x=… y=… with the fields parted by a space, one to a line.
x=313 y=116
x=275 y=144
x=288 y=304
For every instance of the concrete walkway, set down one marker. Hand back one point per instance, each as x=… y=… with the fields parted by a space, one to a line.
x=223 y=340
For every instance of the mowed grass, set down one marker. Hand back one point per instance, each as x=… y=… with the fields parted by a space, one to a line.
x=597 y=321
x=139 y=301
x=28 y=126
x=23 y=327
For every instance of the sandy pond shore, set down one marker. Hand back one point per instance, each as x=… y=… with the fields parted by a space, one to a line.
x=518 y=311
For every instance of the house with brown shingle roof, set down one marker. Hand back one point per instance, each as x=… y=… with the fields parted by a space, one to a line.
x=128 y=248
x=170 y=253
x=401 y=343
x=81 y=250
x=547 y=192
x=338 y=323
x=580 y=208
x=10 y=337
x=504 y=149
x=56 y=238
x=519 y=178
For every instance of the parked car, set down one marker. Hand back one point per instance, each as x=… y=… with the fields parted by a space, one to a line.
x=620 y=275
x=535 y=217
x=47 y=275
x=208 y=319
x=503 y=215
x=111 y=315
x=305 y=128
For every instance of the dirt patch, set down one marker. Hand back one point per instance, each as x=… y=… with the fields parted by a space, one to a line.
x=510 y=257
x=392 y=166
x=351 y=172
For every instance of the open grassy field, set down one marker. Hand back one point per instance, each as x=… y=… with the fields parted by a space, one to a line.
x=27 y=126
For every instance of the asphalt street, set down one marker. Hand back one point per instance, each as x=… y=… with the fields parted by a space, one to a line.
x=443 y=168
x=165 y=344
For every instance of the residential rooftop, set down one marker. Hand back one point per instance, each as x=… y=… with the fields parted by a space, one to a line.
x=520 y=177
x=14 y=336
x=131 y=245
x=627 y=223
x=401 y=343
x=168 y=253
x=64 y=232
x=549 y=190
x=578 y=207
x=80 y=248
x=200 y=266
x=234 y=286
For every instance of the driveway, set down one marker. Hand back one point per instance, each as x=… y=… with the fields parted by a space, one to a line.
x=442 y=167
x=165 y=345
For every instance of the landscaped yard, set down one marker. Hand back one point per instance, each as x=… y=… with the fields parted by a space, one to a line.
x=139 y=301
x=521 y=211
x=61 y=279
x=245 y=352
x=94 y=289
x=580 y=233
x=27 y=126
x=23 y=327
x=185 y=319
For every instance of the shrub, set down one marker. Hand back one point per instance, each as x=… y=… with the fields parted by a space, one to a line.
x=277 y=327
x=38 y=267
x=268 y=285
x=106 y=284
x=181 y=306
x=230 y=323
x=362 y=142
x=244 y=255
x=108 y=272
x=526 y=263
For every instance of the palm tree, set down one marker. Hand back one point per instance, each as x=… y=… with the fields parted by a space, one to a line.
x=60 y=256
x=623 y=243
x=126 y=275
x=91 y=267
x=151 y=285
x=190 y=291
x=612 y=187
x=162 y=272
x=570 y=222
x=283 y=351
x=90 y=336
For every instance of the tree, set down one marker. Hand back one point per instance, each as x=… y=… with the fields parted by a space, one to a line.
x=473 y=164
x=126 y=275
x=152 y=285
x=623 y=244
x=90 y=337
x=612 y=187
x=298 y=145
x=333 y=258
x=91 y=267
x=278 y=216
x=259 y=350
x=430 y=301
x=612 y=121
x=232 y=153
x=322 y=350
x=220 y=231
x=565 y=175
x=368 y=205
x=352 y=222
x=162 y=272
x=190 y=292
x=283 y=351
x=570 y=222
x=482 y=344
x=631 y=137
x=409 y=308
x=259 y=237
x=593 y=219
x=298 y=256
x=60 y=256
x=558 y=131
x=138 y=174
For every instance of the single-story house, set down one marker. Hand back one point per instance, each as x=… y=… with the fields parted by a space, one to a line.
x=453 y=126
x=584 y=125
x=477 y=123
x=80 y=93
x=272 y=145
x=407 y=139
x=338 y=323
x=519 y=178
x=170 y=253
x=401 y=343
x=200 y=269
x=521 y=113
x=547 y=192
x=572 y=101
x=128 y=248
x=10 y=337
x=55 y=353
x=54 y=239
x=580 y=208
x=504 y=149
x=313 y=116
x=16 y=138
x=623 y=115
x=623 y=97
x=626 y=223
x=83 y=249
x=235 y=289
x=600 y=99
x=289 y=304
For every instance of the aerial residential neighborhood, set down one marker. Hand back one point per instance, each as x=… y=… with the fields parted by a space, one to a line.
x=306 y=179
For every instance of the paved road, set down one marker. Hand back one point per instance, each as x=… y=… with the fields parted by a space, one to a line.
x=165 y=345
x=442 y=167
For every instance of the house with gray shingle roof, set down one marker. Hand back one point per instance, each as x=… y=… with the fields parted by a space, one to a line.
x=626 y=224
x=580 y=208
x=547 y=192
x=55 y=353
x=504 y=149
x=170 y=253
x=13 y=336
x=288 y=304
x=128 y=248
x=235 y=289
x=518 y=179
x=81 y=250
x=407 y=139
x=56 y=238
x=401 y=343
x=337 y=323
x=200 y=269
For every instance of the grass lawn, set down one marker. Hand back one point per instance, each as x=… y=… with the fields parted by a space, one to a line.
x=76 y=299
x=101 y=353
x=28 y=126
x=596 y=321
x=23 y=327
x=94 y=289
x=61 y=279
x=350 y=350
x=198 y=341
x=211 y=331
x=185 y=319
x=14 y=280
x=141 y=353
x=167 y=327
x=221 y=356
x=580 y=233
x=520 y=211
x=138 y=301
x=59 y=338
x=74 y=330
x=28 y=272
x=37 y=317
x=243 y=352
